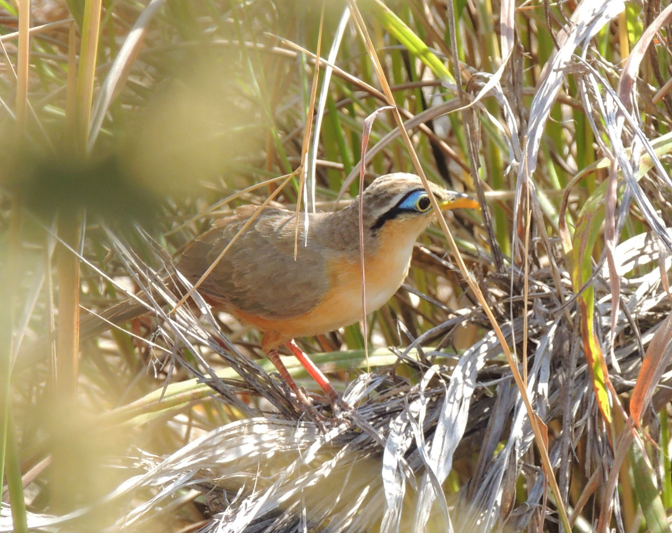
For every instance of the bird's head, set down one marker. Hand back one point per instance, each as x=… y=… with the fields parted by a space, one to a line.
x=400 y=202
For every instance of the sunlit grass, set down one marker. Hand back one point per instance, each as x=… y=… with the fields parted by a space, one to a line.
x=125 y=129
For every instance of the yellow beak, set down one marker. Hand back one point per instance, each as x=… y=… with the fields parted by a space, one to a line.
x=458 y=200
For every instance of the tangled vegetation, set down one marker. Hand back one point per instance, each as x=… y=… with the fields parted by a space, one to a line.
x=518 y=381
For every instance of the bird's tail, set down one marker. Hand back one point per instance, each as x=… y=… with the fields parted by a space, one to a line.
x=95 y=324
x=90 y=326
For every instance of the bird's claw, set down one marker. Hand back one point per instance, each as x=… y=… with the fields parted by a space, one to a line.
x=340 y=407
x=308 y=408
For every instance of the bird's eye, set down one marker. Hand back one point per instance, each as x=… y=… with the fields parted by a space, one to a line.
x=423 y=203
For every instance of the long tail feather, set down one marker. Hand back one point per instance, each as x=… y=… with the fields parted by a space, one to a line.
x=89 y=326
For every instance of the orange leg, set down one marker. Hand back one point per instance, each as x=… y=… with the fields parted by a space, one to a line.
x=305 y=402
x=274 y=357
x=314 y=372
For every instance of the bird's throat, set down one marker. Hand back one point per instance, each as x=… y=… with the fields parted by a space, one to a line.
x=387 y=268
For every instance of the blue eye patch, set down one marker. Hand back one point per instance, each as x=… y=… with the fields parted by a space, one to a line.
x=410 y=203
x=415 y=202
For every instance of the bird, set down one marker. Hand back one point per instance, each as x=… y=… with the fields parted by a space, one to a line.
x=288 y=294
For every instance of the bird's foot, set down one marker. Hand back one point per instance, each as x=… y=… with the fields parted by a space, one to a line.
x=340 y=407
x=341 y=410
x=308 y=408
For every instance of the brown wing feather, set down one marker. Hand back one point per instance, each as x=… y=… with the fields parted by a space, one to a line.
x=258 y=274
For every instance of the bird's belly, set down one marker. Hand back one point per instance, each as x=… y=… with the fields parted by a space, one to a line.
x=342 y=304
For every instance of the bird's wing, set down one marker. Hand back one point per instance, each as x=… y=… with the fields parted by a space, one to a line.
x=258 y=275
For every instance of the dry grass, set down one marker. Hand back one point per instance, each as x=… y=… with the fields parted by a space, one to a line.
x=126 y=136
